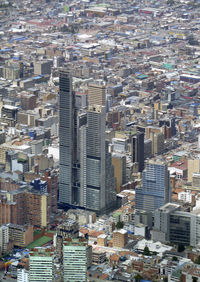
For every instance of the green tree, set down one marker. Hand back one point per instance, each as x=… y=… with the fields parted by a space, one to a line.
x=119 y=225
x=165 y=279
x=146 y=251
x=174 y=258
x=197 y=260
x=138 y=277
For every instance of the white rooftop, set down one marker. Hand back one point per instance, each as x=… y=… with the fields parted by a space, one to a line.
x=122 y=231
x=103 y=236
x=157 y=247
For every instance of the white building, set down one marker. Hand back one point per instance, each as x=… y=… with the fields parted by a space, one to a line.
x=22 y=275
x=41 y=267
x=4 y=238
x=185 y=196
x=119 y=145
x=140 y=230
x=157 y=247
x=75 y=260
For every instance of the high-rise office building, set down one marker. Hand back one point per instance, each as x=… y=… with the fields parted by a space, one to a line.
x=161 y=222
x=155 y=190
x=157 y=143
x=96 y=94
x=86 y=171
x=176 y=226
x=41 y=266
x=75 y=257
x=119 y=163
x=137 y=150
x=96 y=186
x=67 y=137
x=97 y=182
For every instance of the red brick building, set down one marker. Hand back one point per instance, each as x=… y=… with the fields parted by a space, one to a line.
x=51 y=177
x=8 y=211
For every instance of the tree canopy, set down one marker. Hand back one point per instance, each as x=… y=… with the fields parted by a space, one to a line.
x=146 y=251
x=119 y=225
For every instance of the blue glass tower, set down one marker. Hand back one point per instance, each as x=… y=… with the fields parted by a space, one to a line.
x=155 y=190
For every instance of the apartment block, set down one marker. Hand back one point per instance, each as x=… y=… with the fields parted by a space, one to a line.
x=68 y=229
x=96 y=94
x=51 y=177
x=75 y=259
x=120 y=238
x=37 y=208
x=4 y=239
x=20 y=235
x=41 y=267
x=102 y=240
x=8 y=211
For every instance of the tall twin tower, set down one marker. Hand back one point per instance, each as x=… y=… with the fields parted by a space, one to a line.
x=86 y=171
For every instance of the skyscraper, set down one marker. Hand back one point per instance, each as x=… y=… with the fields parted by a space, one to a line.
x=67 y=137
x=155 y=190
x=137 y=150
x=86 y=171
x=100 y=180
x=96 y=186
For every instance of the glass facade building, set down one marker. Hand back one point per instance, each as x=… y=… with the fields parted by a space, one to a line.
x=86 y=171
x=67 y=136
x=180 y=228
x=137 y=146
x=155 y=190
x=176 y=226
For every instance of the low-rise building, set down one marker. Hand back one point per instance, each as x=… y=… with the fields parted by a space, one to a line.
x=98 y=256
x=102 y=240
x=20 y=235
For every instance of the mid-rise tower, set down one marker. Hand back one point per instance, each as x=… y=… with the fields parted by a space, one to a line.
x=155 y=190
